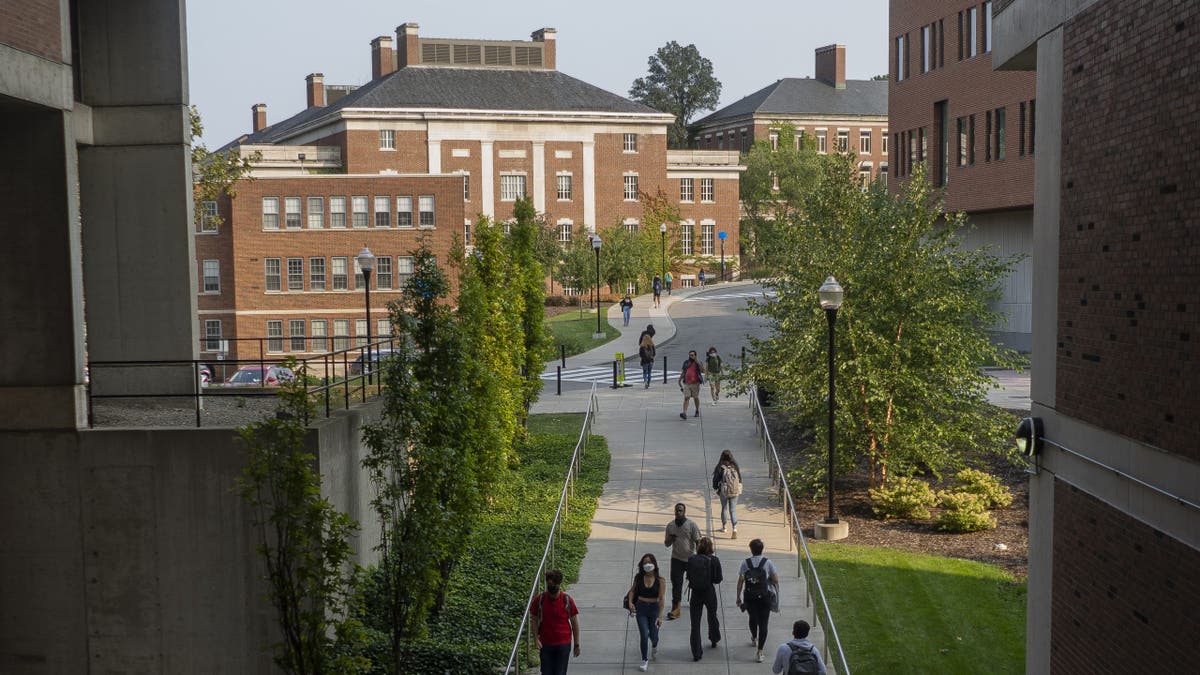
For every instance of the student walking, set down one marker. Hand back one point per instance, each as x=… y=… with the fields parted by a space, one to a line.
x=668 y=280
x=712 y=371
x=646 y=353
x=691 y=375
x=626 y=308
x=757 y=581
x=683 y=536
x=555 y=625
x=798 y=655
x=727 y=481
x=656 y=286
x=704 y=573
x=645 y=600
x=701 y=275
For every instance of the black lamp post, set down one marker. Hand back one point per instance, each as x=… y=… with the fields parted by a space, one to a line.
x=721 y=235
x=596 y=246
x=662 y=230
x=831 y=299
x=366 y=263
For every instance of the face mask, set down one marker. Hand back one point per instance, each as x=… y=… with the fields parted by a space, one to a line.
x=648 y=567
x=551 y=589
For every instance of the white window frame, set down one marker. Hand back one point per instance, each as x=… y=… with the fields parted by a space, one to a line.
x=884 y=142
x=466 y=186
x=295 y=266
x=270 y=213
x=707 y=235
x=341 y=334
x=564 y=187
x=208 y=216
x=212 y=335
x=383 y=211
x=316 y=274
x=274 y=338
x=566 y=228
x=842 y=140
x=360 y=282
x=687 y=190
x=318 y=333
x=404 y=212
x=630 y=143
x=405 y=267
x=822 y=141
x=360 y=332
x=360 y=214
x=316 y=213
x=774 y=138
x=339 y=281
x=708 y=190
x=210 y=270
x=387 y=139
x=426 y=211
x=276 y=275
x=631 y=225
x=383 y=328
x=337 y=207
x=383 y=272
x=512 y=186
x=864 y=141
x=297 y=339
x=686 y=231
x=291 y=213
x=630 y=187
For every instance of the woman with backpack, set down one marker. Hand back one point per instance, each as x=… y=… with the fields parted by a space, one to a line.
x=646 y=354
x=727 y=481
x=646 y=599
x=758 y=580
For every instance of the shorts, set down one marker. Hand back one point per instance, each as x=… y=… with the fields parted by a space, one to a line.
x=691 y=390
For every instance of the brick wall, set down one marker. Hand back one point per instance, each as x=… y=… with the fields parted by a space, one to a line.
x=1125 y=596
x=1129 y=276
x=572 y=209
x=363 y=154
x=33 y=26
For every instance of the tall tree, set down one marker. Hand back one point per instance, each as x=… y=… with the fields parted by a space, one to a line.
x=773 y=189
x=680 y=82
x=529 y=275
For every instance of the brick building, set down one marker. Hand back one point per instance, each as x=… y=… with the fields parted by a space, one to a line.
x=446 y=131
x=846 y=115
x=1115 y=503
x=973 y=127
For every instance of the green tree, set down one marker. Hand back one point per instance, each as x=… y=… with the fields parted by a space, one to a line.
x=214 y=173
x=911 y=336
x=679 y=81
x=773 y=189
x=303 y=541
x=657 y=209
x=529 y=275
x=578 y=267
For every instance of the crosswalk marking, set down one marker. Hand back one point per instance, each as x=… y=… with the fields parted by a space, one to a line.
x=729 y=296
x=602 y=374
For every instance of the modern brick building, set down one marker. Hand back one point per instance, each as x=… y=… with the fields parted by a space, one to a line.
x=446 y=131
x=973 y=128
x=842 y=115
x=1115 y=503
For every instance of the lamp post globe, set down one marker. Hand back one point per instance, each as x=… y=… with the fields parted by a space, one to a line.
x=366 y=263
x=830 y=295
x=596 y=247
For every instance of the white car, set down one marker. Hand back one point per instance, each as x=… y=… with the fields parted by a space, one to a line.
x=261 y=376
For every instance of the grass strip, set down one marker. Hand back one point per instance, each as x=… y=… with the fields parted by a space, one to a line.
x=568 y=329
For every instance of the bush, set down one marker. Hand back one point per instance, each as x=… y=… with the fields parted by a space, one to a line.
x=963 y=512
x=904 y=499
x=986 y=486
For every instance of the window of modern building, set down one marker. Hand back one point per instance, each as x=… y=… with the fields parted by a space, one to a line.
x=563 y=181
x=387 y=139
x=941 y=116
x=864 y=141
x=972 y=35
x=295 y=274
x=404 y=212
x=706 y=238
x=383 y=212
x=341 y=334
x=687 y=189
x=338 y=272
x=212 y=335
x=316 y=274
x=426 y=212
x=270 y=213
x=299 y=341
x=212 y=276
x=358 y=211
x=291 y=211
x=337 y=212
x=631 y=188
x=822 y=141
x=843 y=140
x=404 y=269
x=318 y=328
x=987 y=26
x=1021 y=130
x=275 y=336
x=970 y=139
x=512 y=187
x=987 y=137
x=924 y=144
x=208 y=216
x=962 y=140
x=274 y=276
x=940 y=43
x=707 y=190
x=685 y=237
x=901 y=52
x=1032 y=123
x=630 y=144
x=316 y=213
x=1000 y=135
x=383 y=272
x=927 y=55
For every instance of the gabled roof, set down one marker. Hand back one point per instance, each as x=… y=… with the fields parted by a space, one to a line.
x=417 y=87
x=796 y=96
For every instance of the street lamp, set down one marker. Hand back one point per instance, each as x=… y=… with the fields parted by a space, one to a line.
x=662 y=230
x=596 y=246
x=366 y=263
x=721 y=235
x=830 y=294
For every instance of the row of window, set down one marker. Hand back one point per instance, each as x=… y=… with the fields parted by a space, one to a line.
x=686 y=231
x=305 y=336
x=387 y=141
x=973 y=22
x=335 y=277
x=687 y=190
x=994 y=129
x=360 y=215
x=841 y=140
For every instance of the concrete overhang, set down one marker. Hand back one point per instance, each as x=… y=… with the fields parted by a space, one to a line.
x=1019 y=24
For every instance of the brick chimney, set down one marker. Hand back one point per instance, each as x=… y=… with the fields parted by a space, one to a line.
x=549 y=39
x=407 y=42
x=260 y=116
x=315 y=88
x=381 y=57
x=831 y=65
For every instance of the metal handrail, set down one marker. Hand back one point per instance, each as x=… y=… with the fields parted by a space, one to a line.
x=804 y=562
x=568 y=489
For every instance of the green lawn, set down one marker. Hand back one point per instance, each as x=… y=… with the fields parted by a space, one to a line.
x=568 y=329
x=901 y=612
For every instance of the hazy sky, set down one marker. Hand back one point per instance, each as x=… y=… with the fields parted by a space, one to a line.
x=259 y=51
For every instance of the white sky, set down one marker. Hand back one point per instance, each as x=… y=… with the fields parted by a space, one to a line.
x=259 y=51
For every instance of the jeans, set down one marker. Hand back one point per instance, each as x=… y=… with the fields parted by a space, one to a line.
x=554 y=659
x=647 y=371
x=678 y=569
x=759 y=612
x=731 y=504
x=647 y=622
x=700 y=601
x=626 y=312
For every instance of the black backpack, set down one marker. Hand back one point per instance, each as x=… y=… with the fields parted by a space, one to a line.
x=755 y=581
x=802 y=661
x=699 y=572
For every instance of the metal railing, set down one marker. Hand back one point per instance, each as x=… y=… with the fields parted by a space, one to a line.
x=552 y=539
x=814 y=595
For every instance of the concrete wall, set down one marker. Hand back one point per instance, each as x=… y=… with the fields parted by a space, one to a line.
x=1009 y=233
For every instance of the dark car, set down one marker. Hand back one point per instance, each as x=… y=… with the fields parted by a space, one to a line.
x=377 y=355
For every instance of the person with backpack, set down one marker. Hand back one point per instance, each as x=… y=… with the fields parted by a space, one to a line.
x=626 y=308
x=646 y=355
x=757 y=580
x=645 y=600
x=656 y=286
x=555 y=624
x=701 y=276
x=691 y=375
x=668 y=280
x=727 y=481
x=703 y=574
x=798 y=656
x=683 y=536
x=712 y=371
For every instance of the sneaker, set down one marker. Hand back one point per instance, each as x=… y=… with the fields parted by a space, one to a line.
x=644 y=666
x=734 y=535
x=683 y=416
x=723 y=528
x=759 y=656
x=697 y=413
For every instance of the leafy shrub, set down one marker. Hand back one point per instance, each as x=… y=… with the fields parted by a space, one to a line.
x=903 y=498
x=963 y=512
x=986 y=486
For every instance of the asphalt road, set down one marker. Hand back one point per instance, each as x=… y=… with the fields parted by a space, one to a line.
x=715 y=318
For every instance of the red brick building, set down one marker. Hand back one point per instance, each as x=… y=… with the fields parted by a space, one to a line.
x=973 y=128
x=1115 y=503
x=446 y=131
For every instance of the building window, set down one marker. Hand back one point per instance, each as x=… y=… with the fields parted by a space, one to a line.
x=1001 y=135
x=883 y=172
x=941 y=116
x=274 y=278
x=337 y=212
x=318 y=327
x=774 y=138
x=901 y=49
x=404 y=212
x=864 y=141
x=338 y=271
x=630 y=144
x=822 y=141
x=1032 y=123
x=291 y=211
x=564 y=232
x=208 y=216
x=275 y=336
x=987 y=137
x=1021 y=131
x=270 y=213
x=360 y=281
x=706 y=238
x=631 y=225
x=383 y=212
x=971 y=139
x=212 y=276
x=962 y=141
x=707 y=191
x=972 y=33
x=631 y=188
x=296 y=335
x=687 y=189
x=864 y=177
x=927 y=48
x=387 y=139
x=316 y=213
x=358 y=212
x=295 y=274
x=383 y=328
x=360 y=332
x=564 y=186
x=987 y=26
x=466 y=187
x=212 y=335
x=425 y=204
x=341 y=334
x=745 y=146
x=512 y=187
x=884 y=141
x=843 y=140
x=316 y=274
x=383 y=273
x=404 y=269
x=685 y=238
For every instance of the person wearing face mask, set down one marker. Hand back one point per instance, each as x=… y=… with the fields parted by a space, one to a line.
x=645 y=599
x=683 y=536
x=712 y=370
x=555 y=624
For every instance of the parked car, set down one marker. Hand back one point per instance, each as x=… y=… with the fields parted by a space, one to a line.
x=205 y=375
x=356 y=366
x=253 y=376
